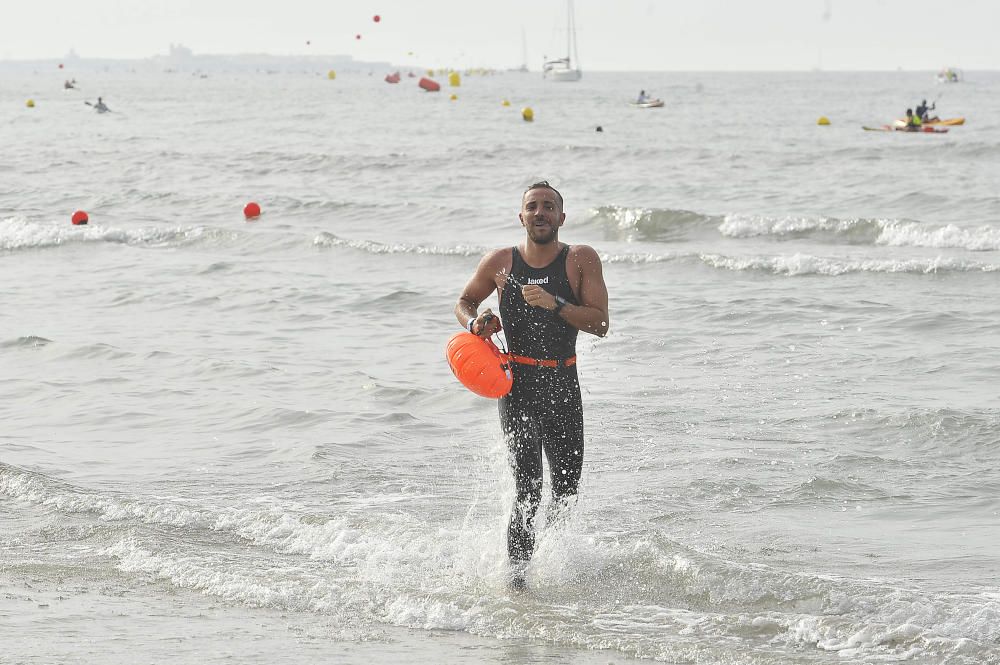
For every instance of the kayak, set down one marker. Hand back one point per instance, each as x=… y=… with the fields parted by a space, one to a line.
x=948 y=122
x=921 y=130
x=941 y=122
x=651 y=104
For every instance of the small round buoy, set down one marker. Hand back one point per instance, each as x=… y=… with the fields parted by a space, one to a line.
x=30 y=103
x=60 y=65
x=331 y=74
x=251 y=210
x=376 y=18
x=823 y=120
x=79 y=218
x=358 y=36
x=599 y=129
x=454 y=97
x=454 y=80
x=527 y=114
x=505 y=103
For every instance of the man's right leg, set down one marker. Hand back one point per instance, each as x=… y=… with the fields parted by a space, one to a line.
x=524 y=448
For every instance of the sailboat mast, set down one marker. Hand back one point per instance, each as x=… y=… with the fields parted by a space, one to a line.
x=524 y=51
x=572 y=53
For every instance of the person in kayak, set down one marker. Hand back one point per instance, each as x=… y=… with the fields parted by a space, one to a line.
x=642 y=97
x=922 y=110
x=912 y=121
x=548 y=292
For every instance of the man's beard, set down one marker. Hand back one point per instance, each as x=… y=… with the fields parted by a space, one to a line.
x=549 y=236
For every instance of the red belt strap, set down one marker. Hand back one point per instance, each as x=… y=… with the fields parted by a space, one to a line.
x=569 y=362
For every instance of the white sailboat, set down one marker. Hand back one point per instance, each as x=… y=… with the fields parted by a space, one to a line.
x=568 y=68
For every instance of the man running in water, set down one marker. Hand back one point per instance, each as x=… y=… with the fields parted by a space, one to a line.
x=548 y=291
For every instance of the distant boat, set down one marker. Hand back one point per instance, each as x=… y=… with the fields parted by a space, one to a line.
x=563 y=69
x=949 y=75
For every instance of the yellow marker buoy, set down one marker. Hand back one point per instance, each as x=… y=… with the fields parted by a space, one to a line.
x=430 y=72
x=454 y=97
x=527 y=114
x=823 y=120
x=505 y=103
x=454 y=80
x=331 y=74
x=30 y=104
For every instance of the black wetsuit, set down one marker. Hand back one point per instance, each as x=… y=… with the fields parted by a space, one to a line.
x=543 y=411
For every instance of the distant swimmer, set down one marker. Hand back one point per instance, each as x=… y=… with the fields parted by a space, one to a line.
x=548 y=292
x=922 y=110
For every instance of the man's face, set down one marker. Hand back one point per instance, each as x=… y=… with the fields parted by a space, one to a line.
x=542 y=215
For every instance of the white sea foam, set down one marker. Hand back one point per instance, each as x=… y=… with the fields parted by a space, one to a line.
x=909 y=234
x=18 y=233
x=878 y=231
x=805 y=264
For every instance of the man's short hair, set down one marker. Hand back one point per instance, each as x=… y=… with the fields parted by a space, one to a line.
x=544 y=184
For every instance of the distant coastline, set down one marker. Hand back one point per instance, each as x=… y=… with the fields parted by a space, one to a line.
x=182 y=59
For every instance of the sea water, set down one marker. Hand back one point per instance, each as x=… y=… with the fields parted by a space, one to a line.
x=228 y=440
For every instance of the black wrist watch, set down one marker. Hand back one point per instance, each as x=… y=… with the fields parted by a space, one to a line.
x=560 y=303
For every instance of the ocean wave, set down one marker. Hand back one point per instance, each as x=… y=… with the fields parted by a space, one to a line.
x=653 y=224
x=325 y=239
x=934 y=432
x=19 y=234
x=805 y=264
x=26 y=341
x=888 y=232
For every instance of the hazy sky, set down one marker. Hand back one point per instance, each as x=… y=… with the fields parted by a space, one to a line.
x=612 y=34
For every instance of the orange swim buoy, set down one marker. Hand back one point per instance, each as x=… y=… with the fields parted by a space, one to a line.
x=429 y=85
x=479 y=365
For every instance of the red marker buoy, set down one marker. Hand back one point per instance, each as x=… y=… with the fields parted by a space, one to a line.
x=376 y=18
x=357 y=36
x=80 y=217
x=251 y=210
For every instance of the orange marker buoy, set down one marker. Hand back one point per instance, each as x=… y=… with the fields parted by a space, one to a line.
x=251 y=210
x=479 y=365
x=79 y=218
x=429 y=85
